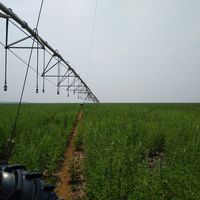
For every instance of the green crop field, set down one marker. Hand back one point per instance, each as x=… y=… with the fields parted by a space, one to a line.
x=132 y=151
x=41 y=135
x=142 y=151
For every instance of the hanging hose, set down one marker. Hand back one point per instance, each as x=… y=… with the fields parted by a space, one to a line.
x=6 y=56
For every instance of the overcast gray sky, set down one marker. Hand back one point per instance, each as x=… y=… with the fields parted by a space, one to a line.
x=143 y=50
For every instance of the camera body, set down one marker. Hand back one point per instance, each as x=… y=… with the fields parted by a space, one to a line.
x=16 y=183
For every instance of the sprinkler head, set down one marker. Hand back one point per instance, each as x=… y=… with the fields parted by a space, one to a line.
x=5 y=88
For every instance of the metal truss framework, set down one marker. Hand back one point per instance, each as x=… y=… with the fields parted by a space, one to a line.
x=67 y=78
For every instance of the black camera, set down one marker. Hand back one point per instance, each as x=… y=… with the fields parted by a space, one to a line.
x=16 y=183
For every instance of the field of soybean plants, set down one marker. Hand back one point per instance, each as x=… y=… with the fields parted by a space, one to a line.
x=41 y=136
x=141 y=151
x=131 y=151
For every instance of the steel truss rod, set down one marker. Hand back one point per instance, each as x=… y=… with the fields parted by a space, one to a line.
x=25 y=47
x=65 y=76
x=47 y=65
x=86 y=98
x=56 y=76
x=69 y=86
x=23 y=39
x=47 y=70
x=9 y=14
x=73 y=82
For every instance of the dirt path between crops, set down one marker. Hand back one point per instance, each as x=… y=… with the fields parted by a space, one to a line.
x=71 y=180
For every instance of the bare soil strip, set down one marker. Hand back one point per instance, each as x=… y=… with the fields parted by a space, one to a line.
x=70 y=184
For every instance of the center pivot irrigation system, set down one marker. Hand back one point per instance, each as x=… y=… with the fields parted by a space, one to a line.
x=15 y=182
x=55 y=67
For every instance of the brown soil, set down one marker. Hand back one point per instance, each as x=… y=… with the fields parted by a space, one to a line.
x=155 y=158
x=69 y=187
